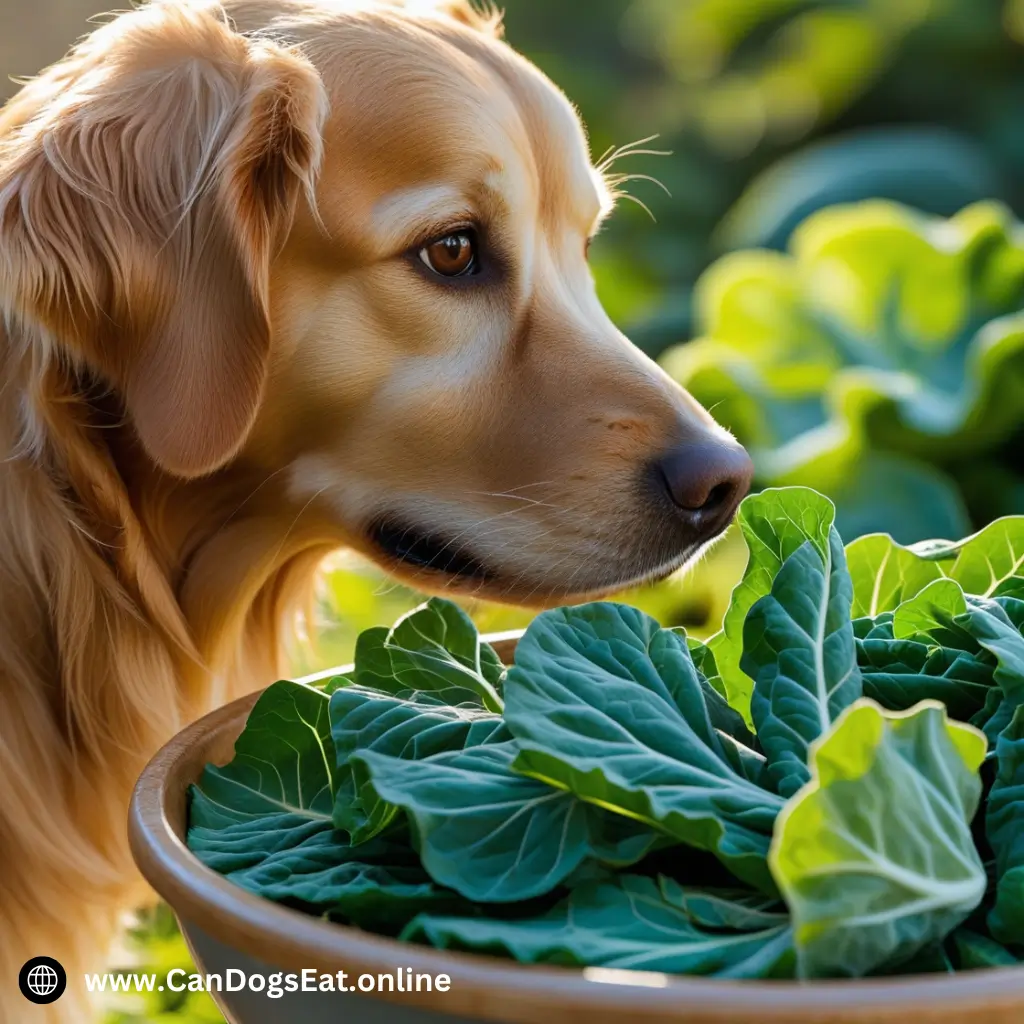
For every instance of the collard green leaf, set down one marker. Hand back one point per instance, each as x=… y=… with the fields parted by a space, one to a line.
x=626 y=924
x=798 y=646
x=878 y=628
x=983 y=561
x=986 y=564
x=977 y=951
x=988 y=623
x=775 y=524
x=380 y=884
x=493 y=835
x=901 y=673
x=933 y=959
x=990 y=626
x=1004 y=828
x=885 y=574
x=723 y=716
x=724 y=909
x=413 y=727
x=283 y=764
x=264 y=821
x=875 y=856
x=605 y=703
x=434 y=649
x=704 y=661
x=930 y=616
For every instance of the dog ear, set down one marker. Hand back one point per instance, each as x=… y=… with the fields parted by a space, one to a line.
x=141 y=206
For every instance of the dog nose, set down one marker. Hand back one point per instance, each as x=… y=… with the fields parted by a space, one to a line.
x=707 y=480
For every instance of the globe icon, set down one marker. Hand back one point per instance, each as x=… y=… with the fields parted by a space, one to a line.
x=42 y=980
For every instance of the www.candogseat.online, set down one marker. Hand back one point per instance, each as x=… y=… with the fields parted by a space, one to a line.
x=274 y=986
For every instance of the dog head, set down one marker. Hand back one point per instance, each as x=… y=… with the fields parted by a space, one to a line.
x=344 y=246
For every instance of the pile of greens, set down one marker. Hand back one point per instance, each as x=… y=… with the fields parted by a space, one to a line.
x=832 y=785
x=881 y=360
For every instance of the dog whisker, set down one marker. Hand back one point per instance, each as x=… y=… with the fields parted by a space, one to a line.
x=622 y=179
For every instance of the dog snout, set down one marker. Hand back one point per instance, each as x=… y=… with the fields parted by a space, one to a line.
x=706 y=480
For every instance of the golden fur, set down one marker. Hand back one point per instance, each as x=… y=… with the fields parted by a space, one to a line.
x=218 y=362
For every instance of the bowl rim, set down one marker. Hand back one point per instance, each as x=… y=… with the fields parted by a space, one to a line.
x=496 y=988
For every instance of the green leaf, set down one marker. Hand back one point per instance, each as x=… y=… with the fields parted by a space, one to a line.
x=798 y=646
x=988 y=624
x=380 y=884
x=434 y=649
x=977 y=951
x=723 y=716
x=414 y=727
x=283 y=764
x=626 y=925
x=606 y=704
x=930 y=615
x=493 y=835
x=983 y=561
x=885 y=574
x=775 y=524
x=704 y=661
x=1004 y=829
x=901 y=673
x=264 y=820
x=724 y=909
x=875 y=856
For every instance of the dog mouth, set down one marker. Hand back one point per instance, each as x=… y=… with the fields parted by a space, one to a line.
x=425 y=550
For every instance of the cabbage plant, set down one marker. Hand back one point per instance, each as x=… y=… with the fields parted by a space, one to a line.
x=880 y=359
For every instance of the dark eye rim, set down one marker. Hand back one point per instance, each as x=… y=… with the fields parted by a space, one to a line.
x=473 y=269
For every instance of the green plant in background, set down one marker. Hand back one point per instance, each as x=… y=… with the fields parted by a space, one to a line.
x=153 y=945
x=881 y=361
x=774 y=109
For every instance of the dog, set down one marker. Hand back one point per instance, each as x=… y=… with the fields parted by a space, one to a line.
x=279 y=277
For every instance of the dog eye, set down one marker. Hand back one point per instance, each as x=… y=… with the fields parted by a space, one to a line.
x=453 y=255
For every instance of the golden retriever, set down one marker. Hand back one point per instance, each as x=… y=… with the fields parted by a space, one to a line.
x=279 y=276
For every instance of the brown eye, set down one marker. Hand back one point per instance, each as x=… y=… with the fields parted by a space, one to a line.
x=451 y=256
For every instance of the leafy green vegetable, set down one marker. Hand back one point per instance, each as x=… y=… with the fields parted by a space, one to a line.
x=775 y=525
x=901 y=673
x=496 y=836
x=885 y=574
x=264 y=820
x=980 y=951
x=875 y=856
x=798 y=646
x=435 y=648
x=606 y=802
x=1004 y=828
x=416 y=726
x=932 y=615
x=608 y=705
x=627 y=924
x=380 y=884
x=283 y=764
x=994 y=631
x=725 y=909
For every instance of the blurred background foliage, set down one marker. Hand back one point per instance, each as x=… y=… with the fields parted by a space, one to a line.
x=771 y=110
